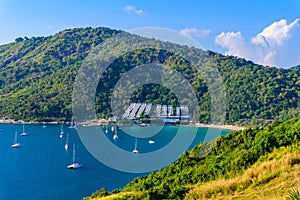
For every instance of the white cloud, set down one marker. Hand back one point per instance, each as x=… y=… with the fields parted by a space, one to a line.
x=234 y=42
x=133 y=9
x=275 y=34
x=193 y=32
x=276 y=45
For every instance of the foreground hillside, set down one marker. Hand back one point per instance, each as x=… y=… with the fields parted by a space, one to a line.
x=250 y=164
x=37 y=75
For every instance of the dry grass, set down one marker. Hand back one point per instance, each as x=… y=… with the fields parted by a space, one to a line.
x=270 y=179
x=114 y=196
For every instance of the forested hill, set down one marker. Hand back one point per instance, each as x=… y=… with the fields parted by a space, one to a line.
x=37 y=74
x=297 y=67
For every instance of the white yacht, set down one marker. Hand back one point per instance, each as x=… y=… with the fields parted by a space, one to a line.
x=16 y=144
x=23 y=133
x=135 y=151
x=73 y=124
x=61 y=130
x=67 y=142
x=115 y=137
x=74 y=165
x=151 y=141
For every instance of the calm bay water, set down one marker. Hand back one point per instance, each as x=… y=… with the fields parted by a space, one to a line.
x=38 y=170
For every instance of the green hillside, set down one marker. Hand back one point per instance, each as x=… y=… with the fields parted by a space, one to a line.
x=255 y=163
x=36 y=77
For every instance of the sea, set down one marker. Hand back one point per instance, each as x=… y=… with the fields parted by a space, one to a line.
x=38 y=170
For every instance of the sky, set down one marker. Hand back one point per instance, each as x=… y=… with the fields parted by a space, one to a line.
x=264 y=31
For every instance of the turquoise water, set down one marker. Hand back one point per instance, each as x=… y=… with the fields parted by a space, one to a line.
x=38 y=170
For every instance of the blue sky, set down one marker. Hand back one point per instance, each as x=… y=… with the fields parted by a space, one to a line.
x=265 y=31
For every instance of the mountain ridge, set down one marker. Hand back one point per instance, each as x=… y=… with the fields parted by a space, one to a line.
x=36 y=77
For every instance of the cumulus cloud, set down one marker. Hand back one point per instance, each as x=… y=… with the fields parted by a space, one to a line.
x=133 y=9
x=194 y=32
x=275 y=34
x=277 y=45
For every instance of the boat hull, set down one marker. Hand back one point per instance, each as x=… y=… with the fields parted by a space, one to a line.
x=17 y=145
x=74 y=166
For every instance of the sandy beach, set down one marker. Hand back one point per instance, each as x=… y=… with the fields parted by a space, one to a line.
x=223 y=126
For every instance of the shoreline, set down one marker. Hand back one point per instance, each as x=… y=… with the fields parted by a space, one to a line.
x=223 y=126
x=106 y=122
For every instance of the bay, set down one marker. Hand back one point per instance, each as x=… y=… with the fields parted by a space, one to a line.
x=38 y=170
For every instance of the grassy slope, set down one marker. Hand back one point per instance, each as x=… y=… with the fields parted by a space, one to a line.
x=274 y=168
x=272 y=177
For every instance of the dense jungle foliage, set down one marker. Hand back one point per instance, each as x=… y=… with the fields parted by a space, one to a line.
x=37 y=76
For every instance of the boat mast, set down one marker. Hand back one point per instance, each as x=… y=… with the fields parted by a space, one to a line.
x=74 y=153
x=16 y=137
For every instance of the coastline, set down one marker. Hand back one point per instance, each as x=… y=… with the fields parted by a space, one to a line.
x=223 y=126
x=13 y=121
x=105 y=122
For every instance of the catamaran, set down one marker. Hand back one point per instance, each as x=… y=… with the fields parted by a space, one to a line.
x=74 y=165
x=16 y=144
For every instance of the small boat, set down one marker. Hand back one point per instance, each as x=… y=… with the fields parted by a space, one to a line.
x=73 y=124
x=67 y=142
x=112 y=129
x=74 y=165
x=44 y=125
x=151 y=142
x=23 y=133
x=106 y=130
x=115 y=137
x=135 y=151
x=61 y=130
x=16 y=144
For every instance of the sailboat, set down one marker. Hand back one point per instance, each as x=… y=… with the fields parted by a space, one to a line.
x=16 y=144
x=61 y=130
x=115 y=137
x=67 y=142
x=73 y=125
x=74 y=165
x=135 y=151
x=23 y=133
